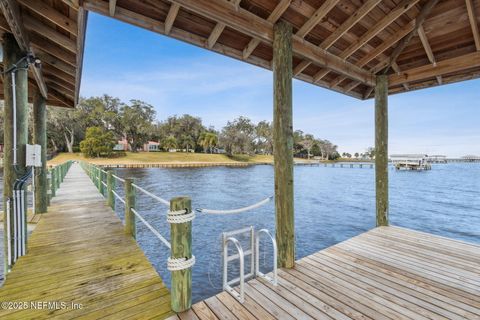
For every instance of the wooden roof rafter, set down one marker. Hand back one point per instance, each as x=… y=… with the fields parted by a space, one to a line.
x=400 y=9
x=428 y=49
x=112 y=5
x=256 y=27
x=11 y=13
x=276 y=14
x=473 y=22
x=54 y=32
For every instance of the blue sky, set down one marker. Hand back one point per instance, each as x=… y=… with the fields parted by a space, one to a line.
x=177 y=78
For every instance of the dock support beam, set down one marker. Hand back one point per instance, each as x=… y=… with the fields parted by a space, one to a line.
x=11 y=54
x=381 y=149
x=40 y=137
x=283 y=143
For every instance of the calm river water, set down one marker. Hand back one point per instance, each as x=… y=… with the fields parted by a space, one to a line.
x=331 y=205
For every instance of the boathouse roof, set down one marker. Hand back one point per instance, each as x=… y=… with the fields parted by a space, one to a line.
x=337 y=44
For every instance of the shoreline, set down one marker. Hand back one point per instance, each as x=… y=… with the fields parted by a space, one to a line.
x=193 y=160
x=181 y=164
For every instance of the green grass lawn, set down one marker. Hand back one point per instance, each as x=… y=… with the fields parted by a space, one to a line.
x=161 y=157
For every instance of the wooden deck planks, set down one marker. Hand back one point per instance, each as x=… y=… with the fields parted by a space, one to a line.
x=79 y=253
x=385 y=273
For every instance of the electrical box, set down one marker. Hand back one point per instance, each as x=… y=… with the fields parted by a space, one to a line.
x=34 y=155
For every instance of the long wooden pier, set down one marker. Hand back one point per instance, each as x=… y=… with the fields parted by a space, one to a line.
x=81 y=262
x=386 y=273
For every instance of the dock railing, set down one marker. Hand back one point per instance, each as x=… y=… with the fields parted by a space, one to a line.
x=180 y=216
x=55 y=176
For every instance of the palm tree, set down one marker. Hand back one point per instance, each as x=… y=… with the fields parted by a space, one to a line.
x=208 y=140
x=169 y=143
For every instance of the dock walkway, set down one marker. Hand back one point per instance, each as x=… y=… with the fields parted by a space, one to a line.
x=385 y=273
x=79 y=254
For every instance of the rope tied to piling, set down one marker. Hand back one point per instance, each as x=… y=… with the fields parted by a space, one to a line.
x=177 y=264
x=180 y=216
x=239 y=210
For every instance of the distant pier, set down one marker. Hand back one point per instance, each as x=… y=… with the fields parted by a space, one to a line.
x=336 y=164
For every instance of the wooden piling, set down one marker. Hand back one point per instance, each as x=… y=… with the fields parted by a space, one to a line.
x=40 y=138
x=381 y=149
x=53 y=182
x=110 y=188
x=102 y=177
x=283 y=143
x=130 y=226
x=57 y=178
x=181 y=247
x=97 y=177
x=49 y=189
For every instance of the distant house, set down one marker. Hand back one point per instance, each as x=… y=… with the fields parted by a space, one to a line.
x=219 y=150
x=151 y=146
x=122 y=145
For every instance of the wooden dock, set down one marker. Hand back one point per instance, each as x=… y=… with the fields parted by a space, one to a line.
x=386 y=273
x=79 y=253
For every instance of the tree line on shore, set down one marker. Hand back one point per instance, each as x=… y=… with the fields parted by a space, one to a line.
x=98 y=123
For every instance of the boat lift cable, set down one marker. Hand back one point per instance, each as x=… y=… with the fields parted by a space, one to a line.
x=238 y=210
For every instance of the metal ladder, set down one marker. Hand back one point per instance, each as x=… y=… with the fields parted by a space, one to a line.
x=253 y=252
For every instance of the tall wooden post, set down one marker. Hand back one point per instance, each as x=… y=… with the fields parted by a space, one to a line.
x=181 y=247
x=110 y=188
x=58 y=177
x=381 y=149
x=11 y=54
x=283 y=143
x=130 y=226
x=53 y=182
x=40 y=137
x=101 y=175
x=97 y=178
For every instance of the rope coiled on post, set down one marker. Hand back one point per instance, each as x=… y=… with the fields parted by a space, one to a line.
x=177 y=264
x=181 y=216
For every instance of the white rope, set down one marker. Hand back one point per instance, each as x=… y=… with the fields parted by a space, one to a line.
x=180 y=216
x=104 y=184
x=253 y=206
x=118 y=178
x=104 y=171
x=155 y=232
x=118 y=197
x=176 y=264
x=161 y=200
